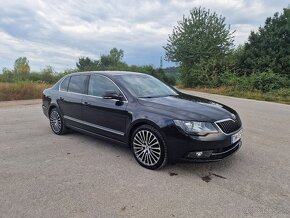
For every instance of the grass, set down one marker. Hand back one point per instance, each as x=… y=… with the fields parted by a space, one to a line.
x=21 y=90
x=279 y=96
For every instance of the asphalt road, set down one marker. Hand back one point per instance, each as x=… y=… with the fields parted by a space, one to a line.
x=44 y=175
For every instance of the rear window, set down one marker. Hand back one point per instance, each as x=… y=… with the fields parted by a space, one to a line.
x=64 y=84
x=77 y=84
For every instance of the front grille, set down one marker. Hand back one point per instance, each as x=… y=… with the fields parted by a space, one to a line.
x=229 y=126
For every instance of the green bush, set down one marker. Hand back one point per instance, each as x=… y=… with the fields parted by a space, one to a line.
x=201 y=75
x=268 y=81
x=262 y=81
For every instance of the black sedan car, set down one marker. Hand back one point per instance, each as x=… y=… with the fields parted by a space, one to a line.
x=158 y=123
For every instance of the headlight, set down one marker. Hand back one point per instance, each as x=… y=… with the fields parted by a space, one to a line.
x=196 y=128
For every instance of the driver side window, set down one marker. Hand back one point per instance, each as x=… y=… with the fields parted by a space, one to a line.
x=98 y=85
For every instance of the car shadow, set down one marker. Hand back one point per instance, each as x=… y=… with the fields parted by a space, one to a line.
x=221 y=170
x=206 y=171
x=102 y=143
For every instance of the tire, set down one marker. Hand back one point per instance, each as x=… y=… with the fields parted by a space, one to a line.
x=148 y=147
x=56 y=122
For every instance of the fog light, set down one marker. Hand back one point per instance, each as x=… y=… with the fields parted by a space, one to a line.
x=199 y=154
x=195 y=154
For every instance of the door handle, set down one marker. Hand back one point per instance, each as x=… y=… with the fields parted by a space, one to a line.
x=85 y=103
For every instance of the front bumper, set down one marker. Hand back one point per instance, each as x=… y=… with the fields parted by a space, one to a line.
x=213 y=155
x=212 y=147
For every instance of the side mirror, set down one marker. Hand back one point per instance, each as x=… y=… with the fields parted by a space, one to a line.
x=112 y=95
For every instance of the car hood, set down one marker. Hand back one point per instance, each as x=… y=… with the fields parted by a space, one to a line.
x=189 y=107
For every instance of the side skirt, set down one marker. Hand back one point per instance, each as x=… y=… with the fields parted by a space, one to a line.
x=105 y=138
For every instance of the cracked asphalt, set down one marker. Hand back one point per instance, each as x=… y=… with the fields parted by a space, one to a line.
x=75 y=175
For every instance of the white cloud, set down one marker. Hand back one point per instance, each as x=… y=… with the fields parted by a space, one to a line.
x=57 y=32
x=243 y=32
x=39 y=54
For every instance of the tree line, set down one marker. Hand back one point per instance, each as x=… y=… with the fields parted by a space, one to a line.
x=111 y=61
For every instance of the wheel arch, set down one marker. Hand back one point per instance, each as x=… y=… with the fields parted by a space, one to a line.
x=51 y=107
x=139 y=123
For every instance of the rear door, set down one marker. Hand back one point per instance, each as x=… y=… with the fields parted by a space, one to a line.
x=71 y=99
x=104 y=116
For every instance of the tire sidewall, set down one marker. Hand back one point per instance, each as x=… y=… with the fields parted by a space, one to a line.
x=163 y=159
x=62 y=128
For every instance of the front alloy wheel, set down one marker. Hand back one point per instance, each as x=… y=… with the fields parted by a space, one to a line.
x=148 y=147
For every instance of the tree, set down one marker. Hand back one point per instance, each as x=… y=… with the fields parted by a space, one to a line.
x=7 y=75
x=86 y=64
x=21 y=66
x=200 y=40
x=268 y=49
x=113 y=59
x=6 y=71
x=48 y=74
x=116 y=55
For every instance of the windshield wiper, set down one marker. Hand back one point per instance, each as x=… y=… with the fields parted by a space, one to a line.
x=147 y=97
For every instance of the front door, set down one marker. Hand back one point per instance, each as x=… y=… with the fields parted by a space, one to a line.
x=106 y=117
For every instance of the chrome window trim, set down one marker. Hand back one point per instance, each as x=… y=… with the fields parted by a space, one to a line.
x=126 y=100
x=62 y=79
x=219 y=121
x=94 y=125
x=62 y=82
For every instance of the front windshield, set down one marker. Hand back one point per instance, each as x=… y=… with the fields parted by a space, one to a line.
x=145 y=86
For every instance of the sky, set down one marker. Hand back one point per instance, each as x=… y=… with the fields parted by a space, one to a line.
x=57 y=33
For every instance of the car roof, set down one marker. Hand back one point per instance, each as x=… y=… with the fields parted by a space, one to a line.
x=108 y=73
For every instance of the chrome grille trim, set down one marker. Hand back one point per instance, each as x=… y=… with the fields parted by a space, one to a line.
x=227 y=128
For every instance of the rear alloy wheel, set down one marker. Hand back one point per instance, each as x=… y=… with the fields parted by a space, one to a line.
x=148 y=147
x=56 y=122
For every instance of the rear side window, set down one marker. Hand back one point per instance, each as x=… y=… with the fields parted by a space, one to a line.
x=64 y=84
x=77 y=84
x=98 y=85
